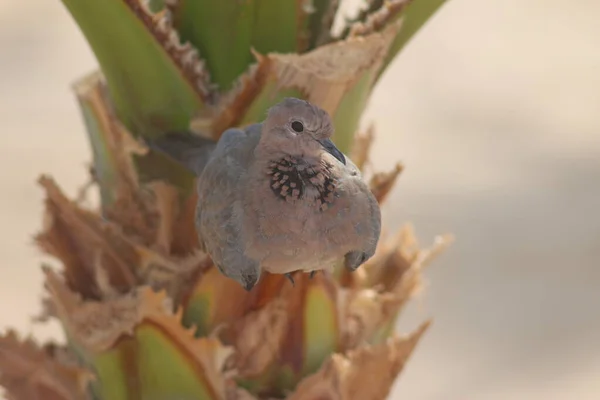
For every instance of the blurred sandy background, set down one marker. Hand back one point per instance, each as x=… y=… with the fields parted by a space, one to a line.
x=495 y=110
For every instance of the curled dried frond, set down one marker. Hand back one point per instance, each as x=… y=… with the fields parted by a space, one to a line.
x=185 y=238
x=366 y=373
x=29 y=372
x=362 y=146
x=214 y=301
x=95 y=325
x=366 y=311
x=129 y=205
x=100 y=259
x=374 y=299
x=314 y=331
x=326 y=74
x=397 y=257
x=98 y=326
x=323 y=76
x=82 y=241
x=177 y=276
x=281 y=332
x=259 y=337
x=382 y=182
x=410 y=280
x=167 y=208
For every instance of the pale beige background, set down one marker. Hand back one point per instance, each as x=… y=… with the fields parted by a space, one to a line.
x=495 y=110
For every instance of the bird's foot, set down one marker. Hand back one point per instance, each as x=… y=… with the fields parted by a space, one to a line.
x=290 y=278
x=312 y=274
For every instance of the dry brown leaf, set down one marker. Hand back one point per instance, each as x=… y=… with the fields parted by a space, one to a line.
x=235 y=103
x=101 y=261
x=364 y=312
x=293 y=351
x=95 y=325
x=259 y=337
x=366 y=373
x=185 y=238
x=103 y=280
x=382 y=182
x=131 y=207
x=28 y=372
x=327 y=73
x=324 y=75
x=269 y=329
x=392 y=259
x=410 y=281
x=176 y=276
x=397 y=265
x=81 y=240
x=166 y=200
x=229 y=302
x=362 y=146
x=98 y=326
x=47 y=310
x=387 y=282
x=206 y=352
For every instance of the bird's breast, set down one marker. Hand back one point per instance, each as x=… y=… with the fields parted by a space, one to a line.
x=301 y=184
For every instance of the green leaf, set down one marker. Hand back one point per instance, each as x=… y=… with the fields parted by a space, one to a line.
x=407 y=15
x=114 y=380
x=280 y=26
x=112 y=165
x=215 y=301
x=165 y=372
x=303 y=341
x=153 y=89
x=321 y=332
x=224 y=31
x=347 y=116
x=105 y=165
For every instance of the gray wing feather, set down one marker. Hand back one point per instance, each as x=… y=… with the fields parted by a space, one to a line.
x=188 y=149
x=219 y=202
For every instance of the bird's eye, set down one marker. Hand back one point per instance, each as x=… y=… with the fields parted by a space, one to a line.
x=297 y=126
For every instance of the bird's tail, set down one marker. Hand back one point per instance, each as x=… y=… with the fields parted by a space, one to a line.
x=186 y=148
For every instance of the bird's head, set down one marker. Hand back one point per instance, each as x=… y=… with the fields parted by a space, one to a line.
x=299 y=128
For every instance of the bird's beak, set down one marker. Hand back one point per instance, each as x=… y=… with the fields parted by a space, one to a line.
x=334 y=151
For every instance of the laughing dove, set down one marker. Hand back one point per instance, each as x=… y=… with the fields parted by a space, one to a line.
x=278 y=196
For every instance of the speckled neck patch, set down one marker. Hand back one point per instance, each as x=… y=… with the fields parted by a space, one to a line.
x=291 y=180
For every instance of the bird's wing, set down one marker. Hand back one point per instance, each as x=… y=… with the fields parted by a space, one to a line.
x=238 y=146
x=186 y=148
x=366 y=214
x=219 y=211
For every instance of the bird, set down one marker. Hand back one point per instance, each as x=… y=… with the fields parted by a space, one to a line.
x=277 y=196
